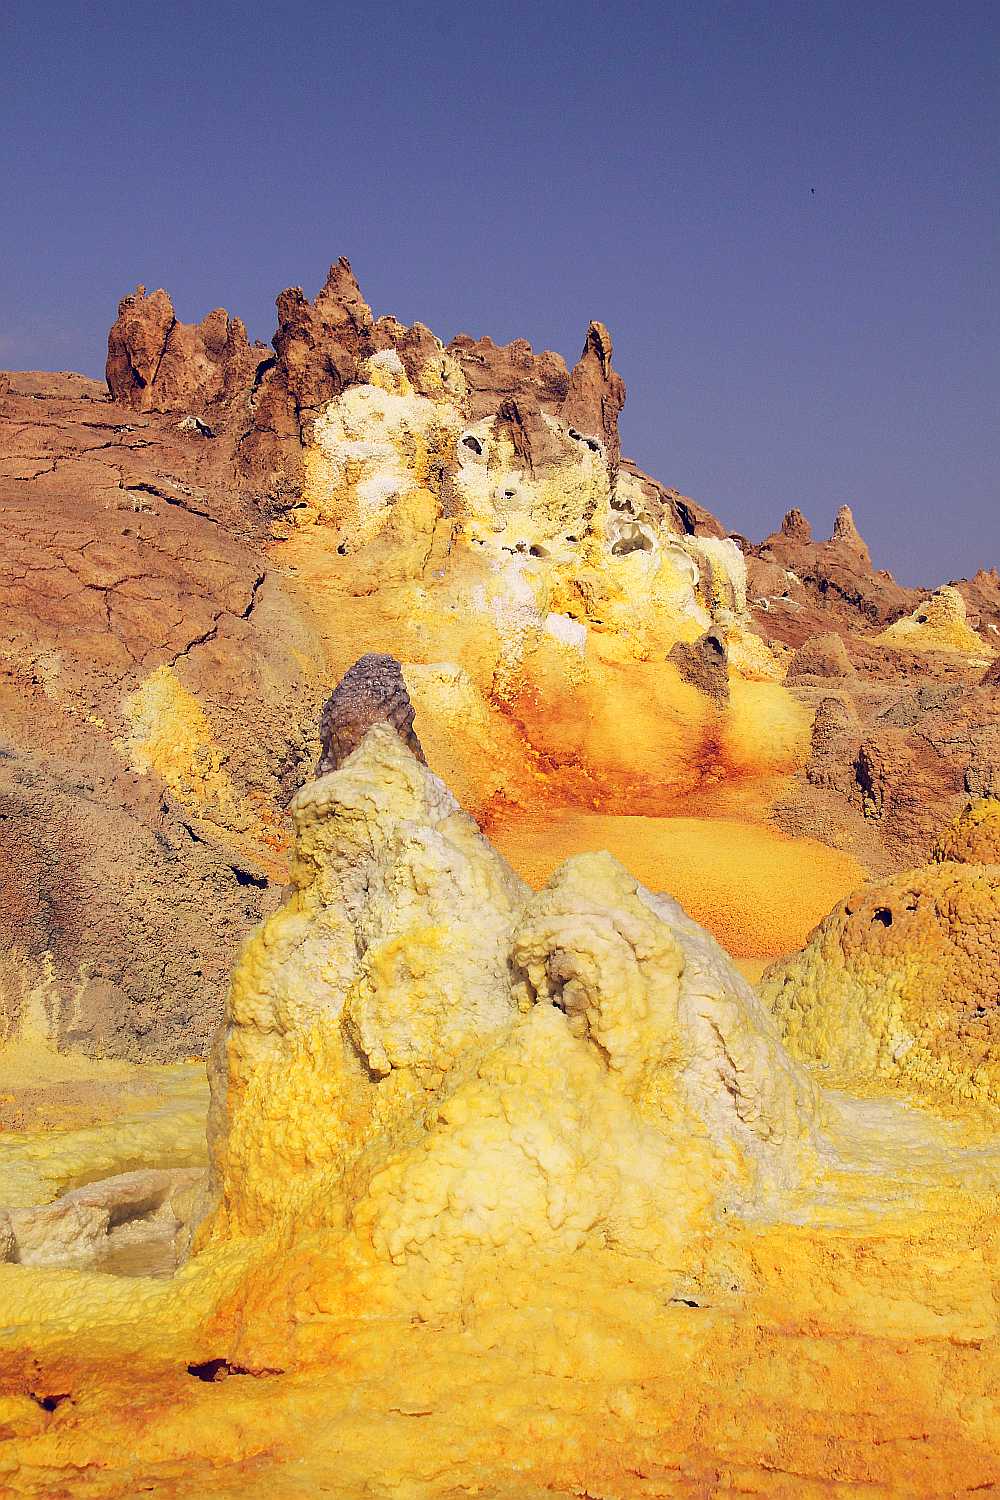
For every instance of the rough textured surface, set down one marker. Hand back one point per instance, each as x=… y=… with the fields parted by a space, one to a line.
x=974 y=836
x=534 y=599
x=891 y=760
x=141 y=814
x=505 y=1187
x=190 y=557
x=939 y=623
x=821 y=656
x=704 y=663
x=370 y=692
x=157 y=363
x=142 y=1212
x=404 y=907
x=900 y=983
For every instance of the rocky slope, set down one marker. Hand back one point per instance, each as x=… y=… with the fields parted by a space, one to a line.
x=190 y=556
x=133 y=590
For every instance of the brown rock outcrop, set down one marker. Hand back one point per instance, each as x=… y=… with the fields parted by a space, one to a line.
x=140 y=632
x=821 y=656
x=795 y=526
x=531 y=440
x=156 y=363
x=836 y=745
x=893 y=763
x=820 y=585
x=266 y=401
x=117 y=908
x=318 y=347
x=495 y=373
x=704 y=663
x=680 y=512
x=982 y=598
x=370 y=692
x=596 y=393
x=847 y=535
x=589 y=398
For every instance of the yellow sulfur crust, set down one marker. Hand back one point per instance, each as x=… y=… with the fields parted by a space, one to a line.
x=522 y=1193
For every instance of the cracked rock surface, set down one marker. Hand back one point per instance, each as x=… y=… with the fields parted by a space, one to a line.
x=140 y=632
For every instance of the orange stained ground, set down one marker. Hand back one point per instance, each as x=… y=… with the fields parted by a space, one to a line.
x=757 y=891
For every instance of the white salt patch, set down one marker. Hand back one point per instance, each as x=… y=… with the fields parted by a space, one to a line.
x=569 y=632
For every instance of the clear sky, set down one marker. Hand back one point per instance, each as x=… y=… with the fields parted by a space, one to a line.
x=787 y=213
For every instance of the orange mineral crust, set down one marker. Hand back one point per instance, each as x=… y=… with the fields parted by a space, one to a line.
x=539 y=614
x=757 y=891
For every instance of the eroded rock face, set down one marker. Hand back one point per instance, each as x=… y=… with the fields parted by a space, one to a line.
x=268 y=402
x=596 y=393
x=157 y=363
x=704 y=663
x=142 y=633
x=820 y=585
x=847 y=535
x=821 y=656
x=898 y=758
x=121 y=918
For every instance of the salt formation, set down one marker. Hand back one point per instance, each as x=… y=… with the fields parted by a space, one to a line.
x=900 y=982
x=534 y=1168
x=585 y=1061
x=939 y=623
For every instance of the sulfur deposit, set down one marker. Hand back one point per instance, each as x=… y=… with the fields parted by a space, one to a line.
x=974 y=836
x=548 y=603
x=939 y=623
x=900 y=983
x=511 y=1184
x=192 y=552
x=519 y=1193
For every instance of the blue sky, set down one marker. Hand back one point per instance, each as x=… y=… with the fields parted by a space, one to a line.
x=786 y=213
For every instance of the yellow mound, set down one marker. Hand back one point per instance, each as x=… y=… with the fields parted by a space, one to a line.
x=937 y=624
x=900 y=983
x=533 y=604
x=973 y=838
